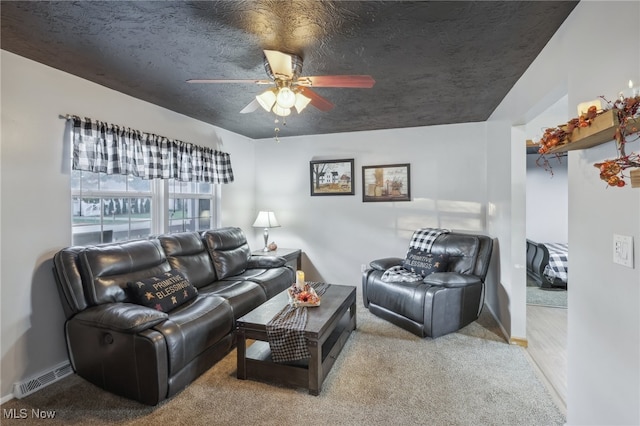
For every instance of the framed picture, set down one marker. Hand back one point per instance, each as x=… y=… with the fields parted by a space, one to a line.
x=391 y=182
x=331 y=177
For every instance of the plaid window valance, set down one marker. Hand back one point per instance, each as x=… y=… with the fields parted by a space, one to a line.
x=106 y=148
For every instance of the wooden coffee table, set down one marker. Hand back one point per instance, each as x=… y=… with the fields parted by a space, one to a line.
x=328 y=328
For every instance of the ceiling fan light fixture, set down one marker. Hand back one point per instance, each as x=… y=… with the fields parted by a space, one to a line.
x=301 y=102
x=282 y=112
x=267 y=99
x=285 y=98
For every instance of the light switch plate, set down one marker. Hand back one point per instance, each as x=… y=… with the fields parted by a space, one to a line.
x=623 y=250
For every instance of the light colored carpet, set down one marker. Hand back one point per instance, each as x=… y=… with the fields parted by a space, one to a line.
x=383 y=376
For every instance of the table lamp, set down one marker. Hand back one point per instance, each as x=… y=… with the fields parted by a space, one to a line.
x=266 y=220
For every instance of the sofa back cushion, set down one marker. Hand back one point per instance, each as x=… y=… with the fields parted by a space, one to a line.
x=107 y=269
x=460 y=249
x=66 y=270
x=228 y=249
x=187 y=253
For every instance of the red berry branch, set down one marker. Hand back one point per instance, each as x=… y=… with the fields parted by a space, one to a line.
x=611 y=171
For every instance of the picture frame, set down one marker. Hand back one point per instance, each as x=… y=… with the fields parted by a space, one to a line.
x=388 y=182
x=331 y=177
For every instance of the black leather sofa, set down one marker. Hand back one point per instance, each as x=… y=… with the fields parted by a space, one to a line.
x=442 y=302
x=143 y=353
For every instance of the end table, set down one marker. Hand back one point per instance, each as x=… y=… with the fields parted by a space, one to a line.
x=293 y=256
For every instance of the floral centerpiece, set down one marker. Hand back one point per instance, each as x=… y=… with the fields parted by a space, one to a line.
x=611 y=171
x=303 y=296
x=301 y=293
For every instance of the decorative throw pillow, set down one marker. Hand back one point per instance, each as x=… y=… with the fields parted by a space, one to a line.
x=423 y=263
x=163 y=292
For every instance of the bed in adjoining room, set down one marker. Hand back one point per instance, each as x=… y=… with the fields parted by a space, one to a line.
x=547 y=264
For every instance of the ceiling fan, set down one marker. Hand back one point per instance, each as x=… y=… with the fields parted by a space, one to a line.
x=291 y=90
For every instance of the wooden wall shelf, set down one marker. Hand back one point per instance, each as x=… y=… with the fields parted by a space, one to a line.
x=601 y=130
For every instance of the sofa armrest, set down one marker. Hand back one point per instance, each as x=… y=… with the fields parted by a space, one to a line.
x=266 y=262
x=386 y=263
x=122 y=317
x=451 y=279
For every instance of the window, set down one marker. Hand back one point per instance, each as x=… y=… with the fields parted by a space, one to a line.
x=109 y=208
x=190 y=206
x=116 y=206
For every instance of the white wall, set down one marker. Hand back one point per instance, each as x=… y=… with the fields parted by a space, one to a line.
x=338 y=234
x=547 y=190
x=595 y=52
x=470 y=173
x=547 y=201
x=35 y=191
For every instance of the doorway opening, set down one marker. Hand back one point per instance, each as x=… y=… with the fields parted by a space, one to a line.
x=547 y=227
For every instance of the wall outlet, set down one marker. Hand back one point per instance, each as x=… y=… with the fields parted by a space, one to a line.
x=623 y=250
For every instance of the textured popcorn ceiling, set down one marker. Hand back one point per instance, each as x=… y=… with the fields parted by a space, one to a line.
x=433 y=62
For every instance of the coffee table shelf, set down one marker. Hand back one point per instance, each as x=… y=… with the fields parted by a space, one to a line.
x=328 y=329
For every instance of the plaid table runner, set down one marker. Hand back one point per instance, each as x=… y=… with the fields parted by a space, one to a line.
x=422 y=240
x=285 y=331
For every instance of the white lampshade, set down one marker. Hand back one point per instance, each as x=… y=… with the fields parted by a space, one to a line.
x=266 y=219
x=301 y=102
x=267 y=99
x=285 y=98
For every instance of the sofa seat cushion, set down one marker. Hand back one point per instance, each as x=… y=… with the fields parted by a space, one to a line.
x=194 y=327
x=163 y=292
x=272 y=281
x=243 y=296
x=452 y=279
x=404 y=298
x=120 y=317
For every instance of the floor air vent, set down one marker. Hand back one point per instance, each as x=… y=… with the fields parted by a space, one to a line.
x=29 y=386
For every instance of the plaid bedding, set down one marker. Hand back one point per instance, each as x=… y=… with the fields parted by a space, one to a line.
x=558 y=259
x=422 y=240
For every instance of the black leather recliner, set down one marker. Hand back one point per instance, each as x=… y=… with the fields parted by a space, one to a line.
x=442 y=302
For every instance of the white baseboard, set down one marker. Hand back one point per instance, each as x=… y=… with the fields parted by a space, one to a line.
x=6 y=398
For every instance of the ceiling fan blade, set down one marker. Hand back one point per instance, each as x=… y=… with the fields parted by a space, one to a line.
x=193 y=80
x=279 y=62
x=353 y=81
x=316 y=100
x=253 y=105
